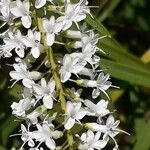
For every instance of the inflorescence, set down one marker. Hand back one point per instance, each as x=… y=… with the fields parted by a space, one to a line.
x=56 y=111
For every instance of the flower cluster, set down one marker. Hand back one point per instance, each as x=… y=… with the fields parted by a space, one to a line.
x=54 y=105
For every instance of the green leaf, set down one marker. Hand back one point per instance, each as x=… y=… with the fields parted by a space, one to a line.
x=7 y=128
x=143 y=135
x=122 y=65
x=126 y=72
x=109 y=9
x=2 y=148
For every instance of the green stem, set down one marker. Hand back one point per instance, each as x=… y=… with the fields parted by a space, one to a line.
x=59 y=87
x=56 y=77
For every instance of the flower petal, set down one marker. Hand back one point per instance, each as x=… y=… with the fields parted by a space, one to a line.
x=40 y=3
x=35 y=52
x=69 y=123
x=48 y=102
x=95 y=93
x=50 y=144
x=26 y=21
x=50 y=38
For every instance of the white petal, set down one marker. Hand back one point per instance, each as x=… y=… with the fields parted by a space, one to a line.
x=26 y=21
x=26 y=4
x=31 y=143
x=90 y=105
x=16 y=75
x=46 y=25
x=38 y=89
x=48 y=102
x=30 y=34
x=27 y=83
x=79 y=18
x=26 y=41
x=51 y=85
x=97 y=127
x=90 y=135
x=50 y=38
x=40 y=3
x=77 y=106
x=99 y=144
x=23 y=128
x=17 y=12
x=58 y=27
x=35 y=52
x=67 y=60
x=65 y=76
x=97 y=136
x=43 y=83
x=69 y=123
x=69 y=107
x=37 y=36
x=95 y=93
x=80 y=114
x=68 y=24
x=78 y=67
x=50 y=144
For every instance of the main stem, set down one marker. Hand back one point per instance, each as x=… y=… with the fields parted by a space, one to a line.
x=59 y=87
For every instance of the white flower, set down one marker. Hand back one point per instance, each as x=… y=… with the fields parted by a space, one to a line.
x=33 y=40
x=26 y=137
x=20 y=107
x=46 y=91
x=109 y=130
x=5 y=9
x=71 y=64
x=74 y=13
x=51 y=28
x=41 y=3
x=99 y=109
x=47 y=135
x=89 y=141
x=74 y=112
x=13 y=41
x=21 y=73
x=102 y=85
x=22 y=10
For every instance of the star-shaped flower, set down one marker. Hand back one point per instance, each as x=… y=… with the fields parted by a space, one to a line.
x=71 y=64
x=73 y=13
x=74 y=113
x=100 y=109
x=46 y=92
x=91 y=141
x=20 y=108
x=32 y=40
x=47 y=134
x=5 y=9
x=21 y=73
x=22 y=10
x=51 y=28
x=13 y=42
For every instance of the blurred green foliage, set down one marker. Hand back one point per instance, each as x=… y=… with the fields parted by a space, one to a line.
x=128 y=23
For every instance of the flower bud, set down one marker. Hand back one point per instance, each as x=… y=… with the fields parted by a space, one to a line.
x=73 y=34
x=35 y=75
